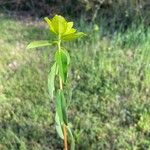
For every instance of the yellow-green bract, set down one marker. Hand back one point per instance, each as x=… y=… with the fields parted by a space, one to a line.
x=59 y=26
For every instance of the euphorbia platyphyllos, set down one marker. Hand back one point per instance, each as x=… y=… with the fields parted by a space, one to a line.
x=63 y=31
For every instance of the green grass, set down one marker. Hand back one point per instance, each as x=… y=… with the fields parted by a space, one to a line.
x=109 y=92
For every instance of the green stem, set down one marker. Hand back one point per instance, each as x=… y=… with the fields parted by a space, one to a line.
x=61 y=88
x=59 y=43
x=59 y=48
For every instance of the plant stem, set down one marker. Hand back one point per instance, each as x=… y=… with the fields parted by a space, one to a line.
x=61 y=88
x=65 y=137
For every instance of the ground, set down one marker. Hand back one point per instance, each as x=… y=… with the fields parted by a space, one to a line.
x=108 y=88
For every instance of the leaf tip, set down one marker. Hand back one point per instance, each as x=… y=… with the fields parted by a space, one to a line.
x=28 y=46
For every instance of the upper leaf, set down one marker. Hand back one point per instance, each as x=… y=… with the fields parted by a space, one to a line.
x=51 y=78
x=67 y=55
x=36 y=44
x=62 y=62
x=58 y=25
x=50 y=24
x=73 y=36
x=69 y=29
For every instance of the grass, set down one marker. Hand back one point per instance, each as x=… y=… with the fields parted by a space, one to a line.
x=109 y=90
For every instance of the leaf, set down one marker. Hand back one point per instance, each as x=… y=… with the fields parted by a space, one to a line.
x=51 y=78
x=69 y=28
x=67 y=55
x=50 y=24
x=36 y=44
x=58 y=126
x=61 y=107
x=59 y=24
x=62 y=62
x=73 y=36
x=72 y=138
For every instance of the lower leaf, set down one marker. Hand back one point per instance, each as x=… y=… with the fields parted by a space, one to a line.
x=72 y=139
x=58 y=126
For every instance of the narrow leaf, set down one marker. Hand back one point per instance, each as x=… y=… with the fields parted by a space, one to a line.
x=50 y=24
x=59 y=107
x=51 y=78
x=36 y=44
x=72 y=139
x=63 y=107
x=58 y=126
x=59 y=24
x=73 y=36
x=67 y=55
x=61 y=60
x=69 y=28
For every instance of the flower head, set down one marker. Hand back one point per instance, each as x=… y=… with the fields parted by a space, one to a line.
x=59 y=26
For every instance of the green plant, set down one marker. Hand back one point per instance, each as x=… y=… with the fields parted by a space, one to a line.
x=144 y=122
x=63 y=31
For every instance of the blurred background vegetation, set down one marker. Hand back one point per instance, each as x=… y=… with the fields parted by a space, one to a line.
x=109 y=88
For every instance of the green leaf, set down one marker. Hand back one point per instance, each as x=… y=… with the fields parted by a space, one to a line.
x=72 y=139
x=62 y=62
x=51 y=78
x=67 y=55
x=61 y=107
x=36 y=44
x=73 y=36
x=59 y=24
x=69 y=29
x=58 y=126
x=50 y=24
